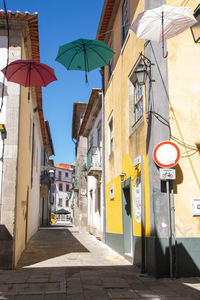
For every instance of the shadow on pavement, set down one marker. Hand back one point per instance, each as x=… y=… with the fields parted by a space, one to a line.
x=49 y=243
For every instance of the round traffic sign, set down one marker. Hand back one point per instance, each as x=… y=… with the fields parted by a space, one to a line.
x=166 y=154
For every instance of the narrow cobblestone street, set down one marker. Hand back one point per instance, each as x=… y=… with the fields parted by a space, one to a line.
x=61 y=263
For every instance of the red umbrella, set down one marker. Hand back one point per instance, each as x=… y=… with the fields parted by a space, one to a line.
x=29 y=73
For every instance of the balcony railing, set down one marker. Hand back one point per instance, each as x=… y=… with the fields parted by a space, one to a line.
x=94 y=161
x=45 y=178
x=63 y=178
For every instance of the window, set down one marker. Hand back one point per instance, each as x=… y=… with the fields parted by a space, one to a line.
x=138 y=101
x=59 y=175
x=66 y=174
x=125 y=20
x=60 y=187
x=67 y=187
x=67 y=203
x=60 y=202
x=110 y=129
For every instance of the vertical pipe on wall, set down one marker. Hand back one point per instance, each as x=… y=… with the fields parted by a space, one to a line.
x=170 y=229
x=103 y=155
x=143 y=269
x=173 y=230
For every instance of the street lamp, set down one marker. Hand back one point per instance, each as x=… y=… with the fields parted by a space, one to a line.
x=195 y=29
x=143 y=70
x=141 y=74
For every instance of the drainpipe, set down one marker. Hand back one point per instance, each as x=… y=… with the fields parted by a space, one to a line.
x=103 y=157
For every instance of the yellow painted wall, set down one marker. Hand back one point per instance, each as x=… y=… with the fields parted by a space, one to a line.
x=126 y=148
x=184 y=92
x=26 y=117
x=114 y=206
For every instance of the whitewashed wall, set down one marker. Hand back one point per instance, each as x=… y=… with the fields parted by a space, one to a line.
x=63 y=194
x=34 y=203
x=95 y=216
x=3 y=60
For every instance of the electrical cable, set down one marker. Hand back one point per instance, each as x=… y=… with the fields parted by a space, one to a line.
x=188 y=146
x=184 y=156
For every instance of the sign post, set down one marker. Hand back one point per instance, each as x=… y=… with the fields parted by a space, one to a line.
x=166 y=155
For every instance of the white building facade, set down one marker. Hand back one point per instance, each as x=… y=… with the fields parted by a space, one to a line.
x=92 y=129
x=62 y=206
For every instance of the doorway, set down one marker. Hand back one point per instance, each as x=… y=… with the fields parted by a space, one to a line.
x=127 y=218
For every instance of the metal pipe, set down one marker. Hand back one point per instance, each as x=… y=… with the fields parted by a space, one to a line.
x=170 y=229
x=103 y=157
x=173 y=228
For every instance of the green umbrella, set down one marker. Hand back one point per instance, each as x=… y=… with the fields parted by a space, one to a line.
x=84 y=55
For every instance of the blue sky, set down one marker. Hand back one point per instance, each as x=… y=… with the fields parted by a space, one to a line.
x=60 y=22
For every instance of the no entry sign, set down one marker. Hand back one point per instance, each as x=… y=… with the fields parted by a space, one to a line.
x=166 y=154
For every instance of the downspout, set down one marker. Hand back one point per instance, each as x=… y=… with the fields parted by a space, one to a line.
x=103 y=157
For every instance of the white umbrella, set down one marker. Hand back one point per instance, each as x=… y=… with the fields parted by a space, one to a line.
x=162 y=23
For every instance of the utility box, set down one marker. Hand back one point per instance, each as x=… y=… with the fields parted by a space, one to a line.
x=195 y=207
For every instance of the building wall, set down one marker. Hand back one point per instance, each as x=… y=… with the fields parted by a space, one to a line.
x=80 y=205
x=20 y=202
x=151 y=235
x=28 y=190
x=185 y=93
x=3 y=55
x=10 y=158
x=127 y=146
x=95 y=189
x=184 y=107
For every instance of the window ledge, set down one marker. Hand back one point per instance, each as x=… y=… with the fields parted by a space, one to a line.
x=136 y=125
x=125 y=42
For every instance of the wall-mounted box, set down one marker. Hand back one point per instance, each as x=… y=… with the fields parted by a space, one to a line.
x=111 y=191
x=195 y=207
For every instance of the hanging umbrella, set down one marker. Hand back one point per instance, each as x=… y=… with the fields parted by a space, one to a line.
x=84 y=55
x=29 y=73
x=162 y=23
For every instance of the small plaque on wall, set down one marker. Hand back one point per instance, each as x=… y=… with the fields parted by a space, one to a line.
x=111 y=191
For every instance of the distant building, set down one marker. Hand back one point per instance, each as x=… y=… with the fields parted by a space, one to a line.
x=63 y=185
x=46 y=181
x=80 y=206
x=91 y=128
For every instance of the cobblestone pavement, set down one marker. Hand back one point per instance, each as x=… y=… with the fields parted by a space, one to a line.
x=61 y=263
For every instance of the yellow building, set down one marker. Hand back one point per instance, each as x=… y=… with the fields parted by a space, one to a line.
x=136 y=119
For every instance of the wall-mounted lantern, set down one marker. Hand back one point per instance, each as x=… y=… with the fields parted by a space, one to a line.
x=143 y=70
x=141 y=74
